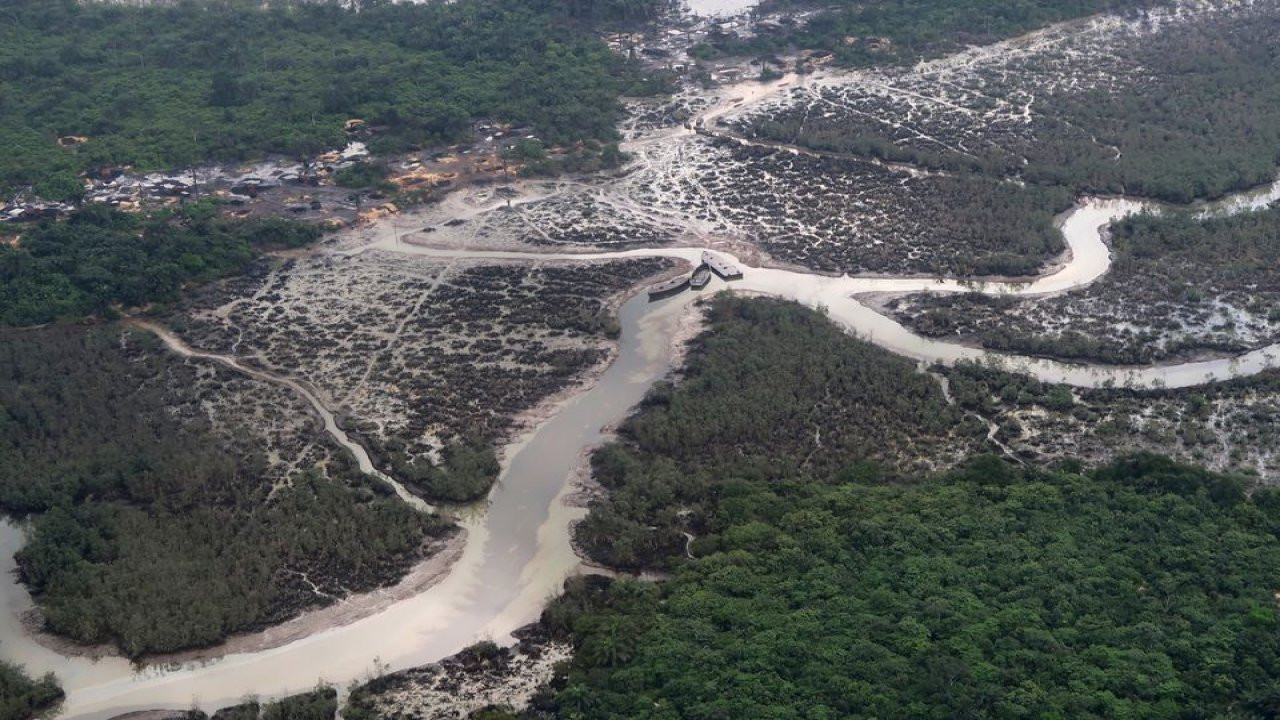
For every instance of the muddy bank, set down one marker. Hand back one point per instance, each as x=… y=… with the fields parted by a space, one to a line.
x=480 y=676
x=525 y=422
x=515 y=555
x=439 y=557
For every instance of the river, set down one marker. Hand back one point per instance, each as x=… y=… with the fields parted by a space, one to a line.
x=517 y=551
x=516 y=556
x=1088 y=258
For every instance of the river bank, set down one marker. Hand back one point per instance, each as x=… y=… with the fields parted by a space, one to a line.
x=515 y=555
x=439 y=558
x=517 y=552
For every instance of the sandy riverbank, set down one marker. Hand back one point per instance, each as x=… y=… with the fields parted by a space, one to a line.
x=442 y=555
x=527 y=421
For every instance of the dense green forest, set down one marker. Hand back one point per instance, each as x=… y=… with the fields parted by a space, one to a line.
x=774 y=393
x=151 y=532
x=1143 y=588
x=167 y=85
x=21 y=697
x=101 y=258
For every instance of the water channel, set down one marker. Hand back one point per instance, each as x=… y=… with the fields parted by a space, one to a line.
x=517 y=551
x=517 y=554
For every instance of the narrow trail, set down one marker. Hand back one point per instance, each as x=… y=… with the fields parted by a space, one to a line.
x=944 y=384
x=363 y=460
x=517 y=552
x=395 y=335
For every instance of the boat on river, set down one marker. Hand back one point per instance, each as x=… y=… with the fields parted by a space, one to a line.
x=700 y=278
x=667 y=288
x=725 y=269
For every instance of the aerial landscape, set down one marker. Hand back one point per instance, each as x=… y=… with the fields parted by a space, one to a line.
x=707 y=359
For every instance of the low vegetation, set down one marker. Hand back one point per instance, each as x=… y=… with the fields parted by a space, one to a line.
x=1179 y=286
x=1198 y=120
x=845 y=215
x=429 y=363
x=155 y=528
x=1231 y=426
x=23 y=698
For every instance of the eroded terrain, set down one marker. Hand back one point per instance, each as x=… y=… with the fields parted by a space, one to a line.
x=429 y=362
x=1230 y=426
x=1181 y=286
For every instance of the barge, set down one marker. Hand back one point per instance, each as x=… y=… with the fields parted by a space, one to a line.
x=700 y=278
x=726 y=270
x=668 y=288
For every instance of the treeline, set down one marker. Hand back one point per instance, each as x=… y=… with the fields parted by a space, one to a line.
x=101 y=258
x=917 y=29
x=1204 y=121
x=610 y=11
x=167 y=85
x=1143 y=588
x=319 y=704
x=466 y=472
x=22 y=698
x=774 y=395
x=150 y=532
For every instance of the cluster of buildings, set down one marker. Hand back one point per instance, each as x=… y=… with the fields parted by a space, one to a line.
x=304 y=188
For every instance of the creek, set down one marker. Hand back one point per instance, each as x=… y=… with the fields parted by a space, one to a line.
x=517 y=553
x=517 y=550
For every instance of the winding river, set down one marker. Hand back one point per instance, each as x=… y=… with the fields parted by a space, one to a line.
x=517 y=551
x=516 y=556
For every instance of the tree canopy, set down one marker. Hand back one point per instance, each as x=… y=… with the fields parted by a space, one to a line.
x=1144 y=588
x=100 y=258
x=169 y=84
x=21 y=697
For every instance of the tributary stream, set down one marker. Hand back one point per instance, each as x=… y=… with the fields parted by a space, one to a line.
x=516 y=555
x=517 y=550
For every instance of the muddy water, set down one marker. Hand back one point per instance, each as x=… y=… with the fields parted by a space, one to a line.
x=1088 y=258
x=518 y=551
x=516 y=556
